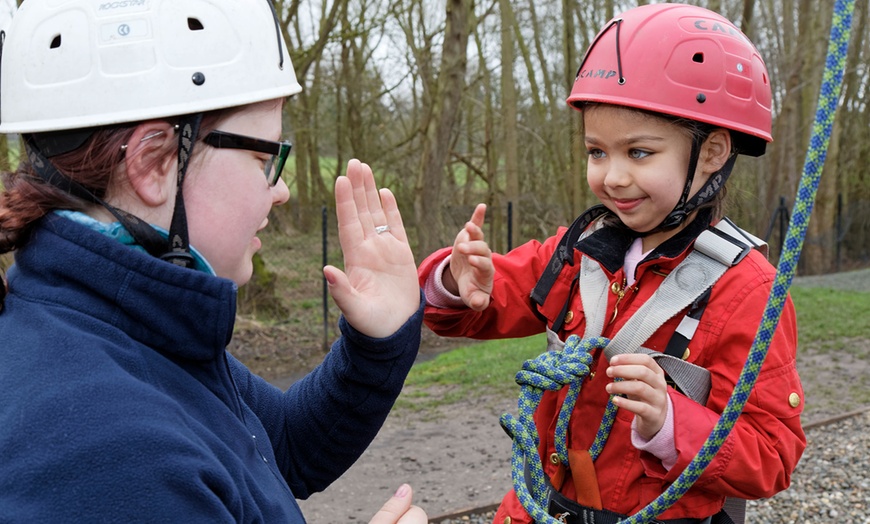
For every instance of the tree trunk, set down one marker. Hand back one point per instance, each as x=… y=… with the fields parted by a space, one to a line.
x=450 y=85
x=576 y=179
x=746 y=19
x=509 y=118
x=817 y=244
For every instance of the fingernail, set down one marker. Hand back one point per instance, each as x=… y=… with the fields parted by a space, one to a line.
x=403 y=490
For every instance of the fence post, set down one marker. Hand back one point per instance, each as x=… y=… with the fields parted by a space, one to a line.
x=510 y=225
x=783 y=222
x=839 y=237
x=780 y=214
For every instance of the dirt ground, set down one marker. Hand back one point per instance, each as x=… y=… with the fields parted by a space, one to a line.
x=459 y=458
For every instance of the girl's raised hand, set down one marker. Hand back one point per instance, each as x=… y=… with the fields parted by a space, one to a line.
x=378 y=290
x=470 y=273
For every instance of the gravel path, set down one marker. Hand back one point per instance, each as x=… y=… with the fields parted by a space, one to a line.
x=830 y=485
x=858 y=280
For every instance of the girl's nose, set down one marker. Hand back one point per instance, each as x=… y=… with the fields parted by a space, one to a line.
x=617 y=176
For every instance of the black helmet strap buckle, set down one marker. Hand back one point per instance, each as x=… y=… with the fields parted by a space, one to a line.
x=142 y=233
x=179 y=239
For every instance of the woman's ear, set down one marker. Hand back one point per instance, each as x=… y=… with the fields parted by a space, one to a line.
x=715 y=151
x=150 y=170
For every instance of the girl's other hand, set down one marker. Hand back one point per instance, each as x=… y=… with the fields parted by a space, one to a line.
x=644 y=390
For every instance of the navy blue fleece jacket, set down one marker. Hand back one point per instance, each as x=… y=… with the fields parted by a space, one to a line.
x=119 y=402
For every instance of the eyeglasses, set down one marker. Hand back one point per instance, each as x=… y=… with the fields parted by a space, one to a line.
x=279 y=150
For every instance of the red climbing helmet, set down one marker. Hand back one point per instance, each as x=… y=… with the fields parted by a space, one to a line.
x=684 y=61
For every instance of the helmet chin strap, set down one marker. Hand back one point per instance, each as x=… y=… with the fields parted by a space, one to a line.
x=178 y=250
x=179 y=240
x=706 y=193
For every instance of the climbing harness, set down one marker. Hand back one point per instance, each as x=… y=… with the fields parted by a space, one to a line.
x=715 y=250
x=555 y=369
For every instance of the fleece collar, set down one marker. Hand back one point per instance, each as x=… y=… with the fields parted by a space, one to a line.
x=608 y=245
x=180 y=312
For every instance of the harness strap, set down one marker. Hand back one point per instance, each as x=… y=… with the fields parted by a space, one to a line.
x=568 y=511
x=564 y=253
x=715 y=251
x=686 y=329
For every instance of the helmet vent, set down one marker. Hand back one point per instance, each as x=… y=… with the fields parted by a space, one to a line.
x=698 y=57
x=55 y=42
x=194 y=24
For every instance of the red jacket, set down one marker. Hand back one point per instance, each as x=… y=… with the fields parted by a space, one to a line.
x=757 y=459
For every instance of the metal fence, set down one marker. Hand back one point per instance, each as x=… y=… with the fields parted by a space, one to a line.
x=846 y=247
x=293 y=291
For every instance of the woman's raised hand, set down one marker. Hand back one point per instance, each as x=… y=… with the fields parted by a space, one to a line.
x=378 y=290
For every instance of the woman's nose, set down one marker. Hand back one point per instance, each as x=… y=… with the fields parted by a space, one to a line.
x=280 y=193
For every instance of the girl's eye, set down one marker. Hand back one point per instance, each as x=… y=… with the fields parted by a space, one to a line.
x=595 y=153
x=637 y=154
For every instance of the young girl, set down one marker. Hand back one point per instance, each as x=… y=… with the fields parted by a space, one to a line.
x=152 y=131
x=669 y=95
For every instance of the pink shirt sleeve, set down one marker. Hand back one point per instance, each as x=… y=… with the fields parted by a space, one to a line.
x=662 y=445
x=435 y=292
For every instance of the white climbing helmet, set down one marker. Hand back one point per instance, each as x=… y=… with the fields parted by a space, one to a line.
x=71 y=64
x=7 y=11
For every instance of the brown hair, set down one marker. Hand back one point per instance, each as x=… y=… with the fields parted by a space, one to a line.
x=26 y=198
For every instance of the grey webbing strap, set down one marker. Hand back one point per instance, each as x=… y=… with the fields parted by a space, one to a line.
x=715 y=250
x=683 y=285
x=594 y=286
x=689 y=280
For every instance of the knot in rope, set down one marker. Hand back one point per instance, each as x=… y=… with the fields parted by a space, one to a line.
x=550 y=371
x=554 y=369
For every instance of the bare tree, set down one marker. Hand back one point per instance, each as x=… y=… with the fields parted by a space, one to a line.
x=509 y=110
x=445 y=112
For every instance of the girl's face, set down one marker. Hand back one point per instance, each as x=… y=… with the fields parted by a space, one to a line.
x=637 y=167
x=227 y=196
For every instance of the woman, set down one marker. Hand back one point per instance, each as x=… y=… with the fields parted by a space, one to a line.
x=152 y=132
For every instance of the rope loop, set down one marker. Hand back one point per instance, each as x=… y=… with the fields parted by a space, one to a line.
x=555 y=369
x=550 y=371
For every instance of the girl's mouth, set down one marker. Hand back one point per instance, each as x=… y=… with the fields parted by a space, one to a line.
x=626 y=204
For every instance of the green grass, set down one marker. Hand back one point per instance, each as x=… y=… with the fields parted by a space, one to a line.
x=485 y=368
x=827 y=319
